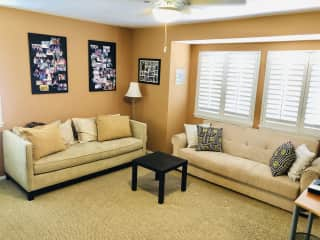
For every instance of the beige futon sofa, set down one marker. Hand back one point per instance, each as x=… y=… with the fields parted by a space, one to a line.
x=78 y=160
x=244 y=165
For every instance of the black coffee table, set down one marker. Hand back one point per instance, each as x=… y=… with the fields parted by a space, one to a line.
x=160 y=163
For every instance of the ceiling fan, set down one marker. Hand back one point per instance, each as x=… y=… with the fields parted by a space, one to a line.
x=167 y=11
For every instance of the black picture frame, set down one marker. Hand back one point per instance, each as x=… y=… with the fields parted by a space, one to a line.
x=102 y=66
x=149 y=70
x=48 y=63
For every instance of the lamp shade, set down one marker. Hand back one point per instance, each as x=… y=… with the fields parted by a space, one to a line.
x=134 y=90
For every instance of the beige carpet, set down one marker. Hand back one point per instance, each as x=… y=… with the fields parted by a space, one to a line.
x=106 y=208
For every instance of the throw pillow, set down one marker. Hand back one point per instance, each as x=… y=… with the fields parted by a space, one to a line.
x=282 y=159
x=86 y=129
x=192 y=134
x=316 y=162
x=113 y=127
x=304 y=159
x=67 y=132
x=45 y=140
x=20 y=130
x=209 y=139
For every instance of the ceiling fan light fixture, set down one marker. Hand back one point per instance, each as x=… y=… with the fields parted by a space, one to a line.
x=166 y=14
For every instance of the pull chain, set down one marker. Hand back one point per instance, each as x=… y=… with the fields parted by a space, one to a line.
x=165 y=38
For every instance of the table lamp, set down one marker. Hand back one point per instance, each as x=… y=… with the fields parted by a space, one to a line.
x=133 y=94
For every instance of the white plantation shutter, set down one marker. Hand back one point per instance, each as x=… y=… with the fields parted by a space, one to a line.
x=211 y=68
x=312 y=110
x=285 y=74
x=292 y=91
x=226 y=85
x=241 y=79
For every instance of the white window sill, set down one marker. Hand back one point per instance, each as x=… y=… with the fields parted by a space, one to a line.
x=230 y=120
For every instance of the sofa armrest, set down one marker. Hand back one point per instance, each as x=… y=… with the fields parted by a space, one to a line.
x=308 y=175
x=139 y=130
x=18 y=162
x=178 y=141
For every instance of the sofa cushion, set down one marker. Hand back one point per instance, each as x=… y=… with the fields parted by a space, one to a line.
x=282 y=159
x=82 y=153
x=209 y=139
x=259 y=144
x=45 y=140
x=113 y=127
x=304 y=159
x=67 y=132
x=86 y=129
x=242 y=170
x=192 y=134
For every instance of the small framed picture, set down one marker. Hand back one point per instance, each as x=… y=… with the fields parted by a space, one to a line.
x=149 y=71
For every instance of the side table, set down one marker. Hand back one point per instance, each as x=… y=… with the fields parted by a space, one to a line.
x=311 y=203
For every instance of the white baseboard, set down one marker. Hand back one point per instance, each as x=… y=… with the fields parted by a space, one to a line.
x=2 y=177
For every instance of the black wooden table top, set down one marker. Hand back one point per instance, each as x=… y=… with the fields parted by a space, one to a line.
x=160 y=162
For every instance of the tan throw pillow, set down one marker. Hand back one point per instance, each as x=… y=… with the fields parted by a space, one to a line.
x=20 y=130
x=86 y=129
x=45 y=140
x=113 y=127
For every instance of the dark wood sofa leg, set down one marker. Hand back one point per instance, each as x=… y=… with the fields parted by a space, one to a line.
x=30 y=196
x=7 y=177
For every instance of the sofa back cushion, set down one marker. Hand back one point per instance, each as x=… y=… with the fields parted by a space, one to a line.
x=45 y=140
x=86 y=129
x=113 y=127
x=258 y=144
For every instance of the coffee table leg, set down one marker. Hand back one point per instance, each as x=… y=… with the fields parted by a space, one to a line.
x=156 y=176
x=161 y=187
x=184 y=177
x=294 y=223
x=134 y=177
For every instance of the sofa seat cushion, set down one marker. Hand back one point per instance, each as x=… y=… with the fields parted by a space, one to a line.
x=242 y=170
x=82 y=153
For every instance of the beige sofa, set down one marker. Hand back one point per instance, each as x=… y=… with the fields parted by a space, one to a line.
x=78 y=160
x=244 y=165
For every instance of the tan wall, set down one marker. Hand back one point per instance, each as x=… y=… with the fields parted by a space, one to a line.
x=148 y=42
x=153 y=107
x=263 y=47
x=20 y=106
x=178 y=94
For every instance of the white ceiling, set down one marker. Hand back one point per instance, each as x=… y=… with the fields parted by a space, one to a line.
x=130 y=13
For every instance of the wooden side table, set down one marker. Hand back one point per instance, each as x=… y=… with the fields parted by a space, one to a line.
x=311 y=203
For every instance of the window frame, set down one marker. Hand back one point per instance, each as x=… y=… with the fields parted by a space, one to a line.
x=221 y=116
x=299 y=128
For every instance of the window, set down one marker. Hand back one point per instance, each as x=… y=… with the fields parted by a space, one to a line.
x=226 y=86
x=292 y=91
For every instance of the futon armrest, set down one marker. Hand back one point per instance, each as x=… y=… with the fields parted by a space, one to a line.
x=178 y=141
x=308 y=175
x=139 y=130
x=18 y=162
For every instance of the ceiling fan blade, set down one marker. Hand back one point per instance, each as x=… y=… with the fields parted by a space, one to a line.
x=217 y=2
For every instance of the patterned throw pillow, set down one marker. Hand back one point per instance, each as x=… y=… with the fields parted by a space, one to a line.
x=209 y=139
x=282 y=159
x=192 y=134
